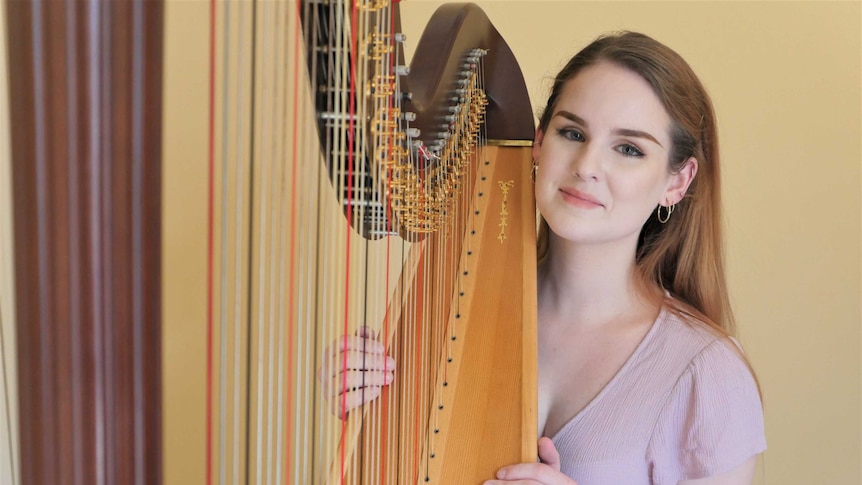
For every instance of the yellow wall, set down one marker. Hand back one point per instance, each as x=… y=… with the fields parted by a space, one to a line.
x=184 y=222
x=785 y=79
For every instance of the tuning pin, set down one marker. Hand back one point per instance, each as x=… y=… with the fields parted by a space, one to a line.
x=400 y=37
x=413 y=132
x=408 y=116
x=402 y=70
x=406 y=96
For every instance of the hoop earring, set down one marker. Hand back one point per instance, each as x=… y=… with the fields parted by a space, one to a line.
x=669 y=211
x=534 y=171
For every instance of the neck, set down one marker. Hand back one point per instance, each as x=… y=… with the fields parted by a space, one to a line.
x=588 y=285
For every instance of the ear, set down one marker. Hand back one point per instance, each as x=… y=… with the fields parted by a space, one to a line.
x=537 y=143
x=679 y=182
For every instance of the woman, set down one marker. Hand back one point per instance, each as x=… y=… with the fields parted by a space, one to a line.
x=640 y=381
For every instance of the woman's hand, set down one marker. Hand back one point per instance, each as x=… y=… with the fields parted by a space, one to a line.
x=545 y=473
x=354 y=371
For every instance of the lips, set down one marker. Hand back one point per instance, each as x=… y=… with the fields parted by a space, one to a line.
x=581 y=199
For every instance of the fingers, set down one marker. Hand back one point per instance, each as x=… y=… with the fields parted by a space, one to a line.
x=354 y=342
x=530 y=473
x=539 y=472
x=356 y=379
x=354 y=360
x=367 y=332
x=342 y=404
x=513 y=482
x=548 y=453
x=354 y=389
x=354 y=369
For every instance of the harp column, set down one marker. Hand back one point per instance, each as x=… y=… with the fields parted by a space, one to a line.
x=85 y=127
x=8 y=383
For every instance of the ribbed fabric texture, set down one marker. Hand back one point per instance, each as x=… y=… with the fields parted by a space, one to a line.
x=684 y=406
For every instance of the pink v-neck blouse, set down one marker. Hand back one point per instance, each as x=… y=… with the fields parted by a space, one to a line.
x=684 y=406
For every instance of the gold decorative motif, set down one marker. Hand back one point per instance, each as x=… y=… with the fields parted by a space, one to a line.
x=504 y=210
x=421 y=200
x=424 y=204
x=509 y=143
x=372 y=5
x=382 y=86
x=379 y=46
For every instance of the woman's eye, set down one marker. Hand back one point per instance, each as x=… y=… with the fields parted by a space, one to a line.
x=629 y=150
x=571 y=134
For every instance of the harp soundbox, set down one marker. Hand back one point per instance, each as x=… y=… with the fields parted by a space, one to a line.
x=346 y=191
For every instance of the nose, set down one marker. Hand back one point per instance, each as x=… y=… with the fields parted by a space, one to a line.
x=586 y=163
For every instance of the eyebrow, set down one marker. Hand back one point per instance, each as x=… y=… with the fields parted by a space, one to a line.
x=619 y=131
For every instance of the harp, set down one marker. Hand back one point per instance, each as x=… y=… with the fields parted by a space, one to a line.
x=411 y=214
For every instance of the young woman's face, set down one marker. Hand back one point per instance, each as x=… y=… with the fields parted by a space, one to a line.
x=603 y=161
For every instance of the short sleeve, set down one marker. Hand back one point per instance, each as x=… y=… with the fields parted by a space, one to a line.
x=712 y=421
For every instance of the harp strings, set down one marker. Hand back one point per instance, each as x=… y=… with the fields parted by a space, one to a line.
x=295 y=274
x=300 y=444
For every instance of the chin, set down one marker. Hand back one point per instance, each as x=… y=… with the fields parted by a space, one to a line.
x=590 y=233
x=577 y=232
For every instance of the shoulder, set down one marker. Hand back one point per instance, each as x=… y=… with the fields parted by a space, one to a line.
x=687 y=333
x=705 y=357
x=682 y=345
x=712 y=418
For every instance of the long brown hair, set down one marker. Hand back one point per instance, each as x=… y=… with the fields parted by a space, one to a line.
x=683 y=257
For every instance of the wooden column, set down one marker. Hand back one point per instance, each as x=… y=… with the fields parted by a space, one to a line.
x=85 y=106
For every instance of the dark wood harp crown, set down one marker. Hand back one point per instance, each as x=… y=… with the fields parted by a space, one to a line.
x=444 y=171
